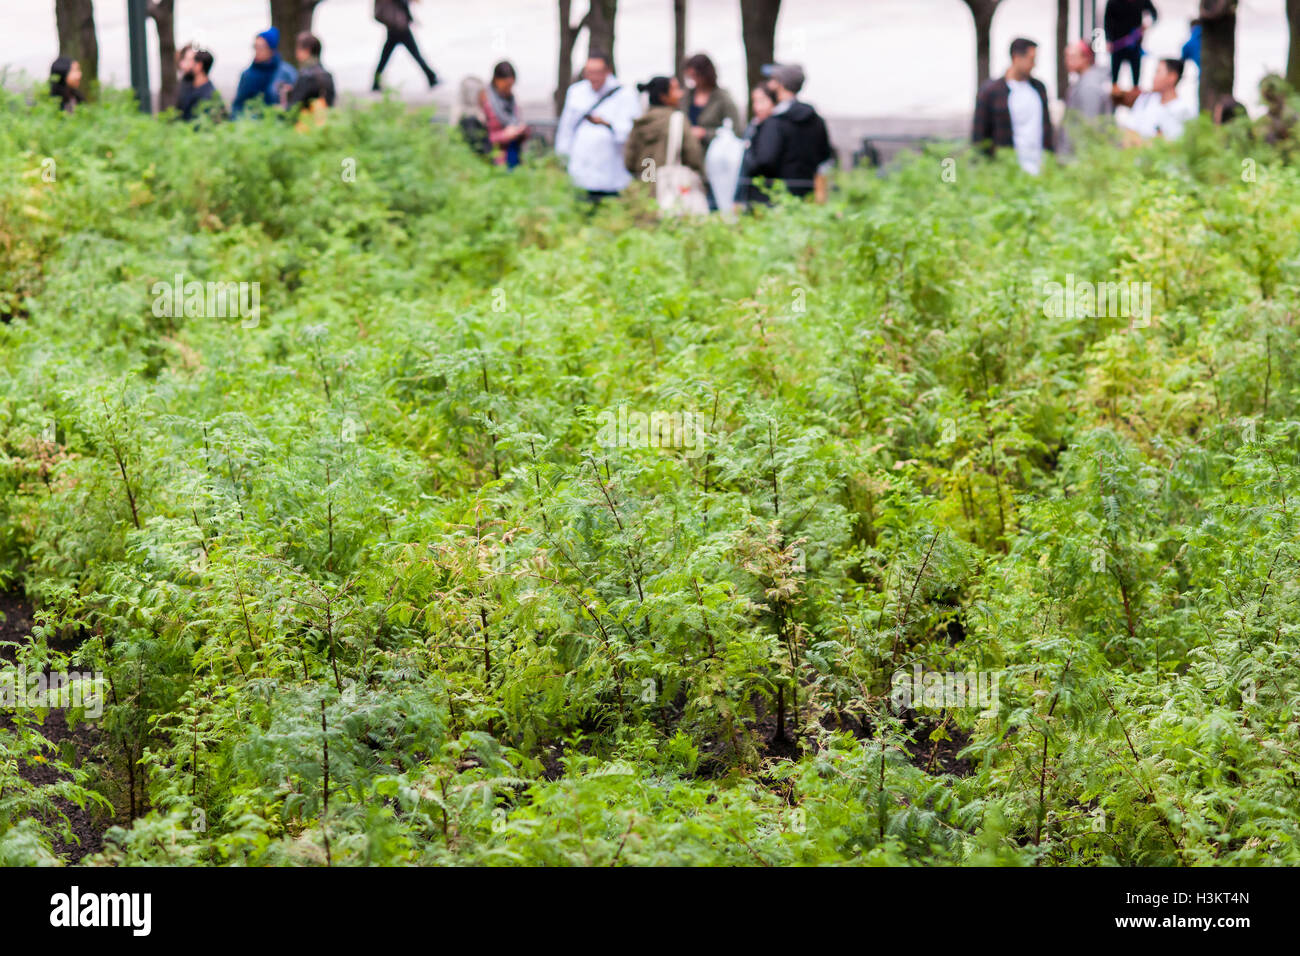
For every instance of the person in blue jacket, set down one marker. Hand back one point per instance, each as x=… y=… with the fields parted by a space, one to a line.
x=266 y=75
x=1192 y=48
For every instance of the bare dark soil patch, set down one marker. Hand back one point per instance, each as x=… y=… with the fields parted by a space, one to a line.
x=940 y=756
x=74 y=746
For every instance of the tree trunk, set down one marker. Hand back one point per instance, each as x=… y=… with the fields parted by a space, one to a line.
x=982 y=12
x=1062 y=40
x=1218 y=50
x=758 y=29
x=679 y=36
x=599 y=24
x=1293 y=58
x=291 y=17
x=600 y=28
x=162 y=12
x=568 y=37
x=75 y=22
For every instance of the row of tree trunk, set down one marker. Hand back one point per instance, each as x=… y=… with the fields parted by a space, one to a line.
x=75 y=21
x=77 y=39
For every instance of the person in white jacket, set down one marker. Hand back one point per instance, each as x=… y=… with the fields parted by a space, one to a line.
x=594 y=124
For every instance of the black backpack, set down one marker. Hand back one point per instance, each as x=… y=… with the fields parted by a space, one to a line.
x=475 y=133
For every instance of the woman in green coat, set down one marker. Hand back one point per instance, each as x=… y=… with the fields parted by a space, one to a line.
x=647 y=145
x=708 y=104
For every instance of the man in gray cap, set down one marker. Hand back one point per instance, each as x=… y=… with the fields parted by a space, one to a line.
x=792 y=143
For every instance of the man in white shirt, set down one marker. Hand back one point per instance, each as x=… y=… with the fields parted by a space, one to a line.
x=1012 y=111
x=1158 y=112
x=594 y=124
x=1026 y=124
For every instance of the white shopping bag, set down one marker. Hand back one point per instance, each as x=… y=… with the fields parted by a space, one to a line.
x=679 y=189
x=722 y=165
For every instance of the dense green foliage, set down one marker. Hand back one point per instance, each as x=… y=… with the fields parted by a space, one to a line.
x=368 y=589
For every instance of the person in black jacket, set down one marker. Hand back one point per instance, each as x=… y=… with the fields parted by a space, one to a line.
x=65 y=83
x=761 y=105
x=199 y=98
x=1124 y=23
x=397 y=21
x=1012 y=111
x=184 y=71
x=314 y=81
x=792 y=143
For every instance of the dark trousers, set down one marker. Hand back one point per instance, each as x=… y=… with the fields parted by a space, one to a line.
x=1132 y=55
x=404 y=38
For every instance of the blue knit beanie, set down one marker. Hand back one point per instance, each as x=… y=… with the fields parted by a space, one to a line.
x=272 y=37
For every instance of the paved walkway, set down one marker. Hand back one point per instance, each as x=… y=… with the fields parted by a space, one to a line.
x=895 y=59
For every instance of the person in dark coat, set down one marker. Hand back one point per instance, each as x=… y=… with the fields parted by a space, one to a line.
x=792 y=143
x=761 y=105
x=65 y=83
x=314 y=81
x=265 y=76
x=1011 y=111
x=396 y=17
x=1125 y=22
x=200 y=96
x=184 y=70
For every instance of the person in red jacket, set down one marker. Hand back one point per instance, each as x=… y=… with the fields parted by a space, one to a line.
x=506 y=131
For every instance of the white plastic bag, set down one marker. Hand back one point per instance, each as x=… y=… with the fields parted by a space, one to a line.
x=722 y=165
x=679 y=188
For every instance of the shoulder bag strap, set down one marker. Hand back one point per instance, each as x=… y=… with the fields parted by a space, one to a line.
x=674 y=154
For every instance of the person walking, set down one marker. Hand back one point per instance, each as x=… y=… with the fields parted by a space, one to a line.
x=792 y=144
x=65 y=83
x=507 y=133
x=396 y=17
x=593 y=127
x=265 y=76
x=1012 y=111
x=1124 y=23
